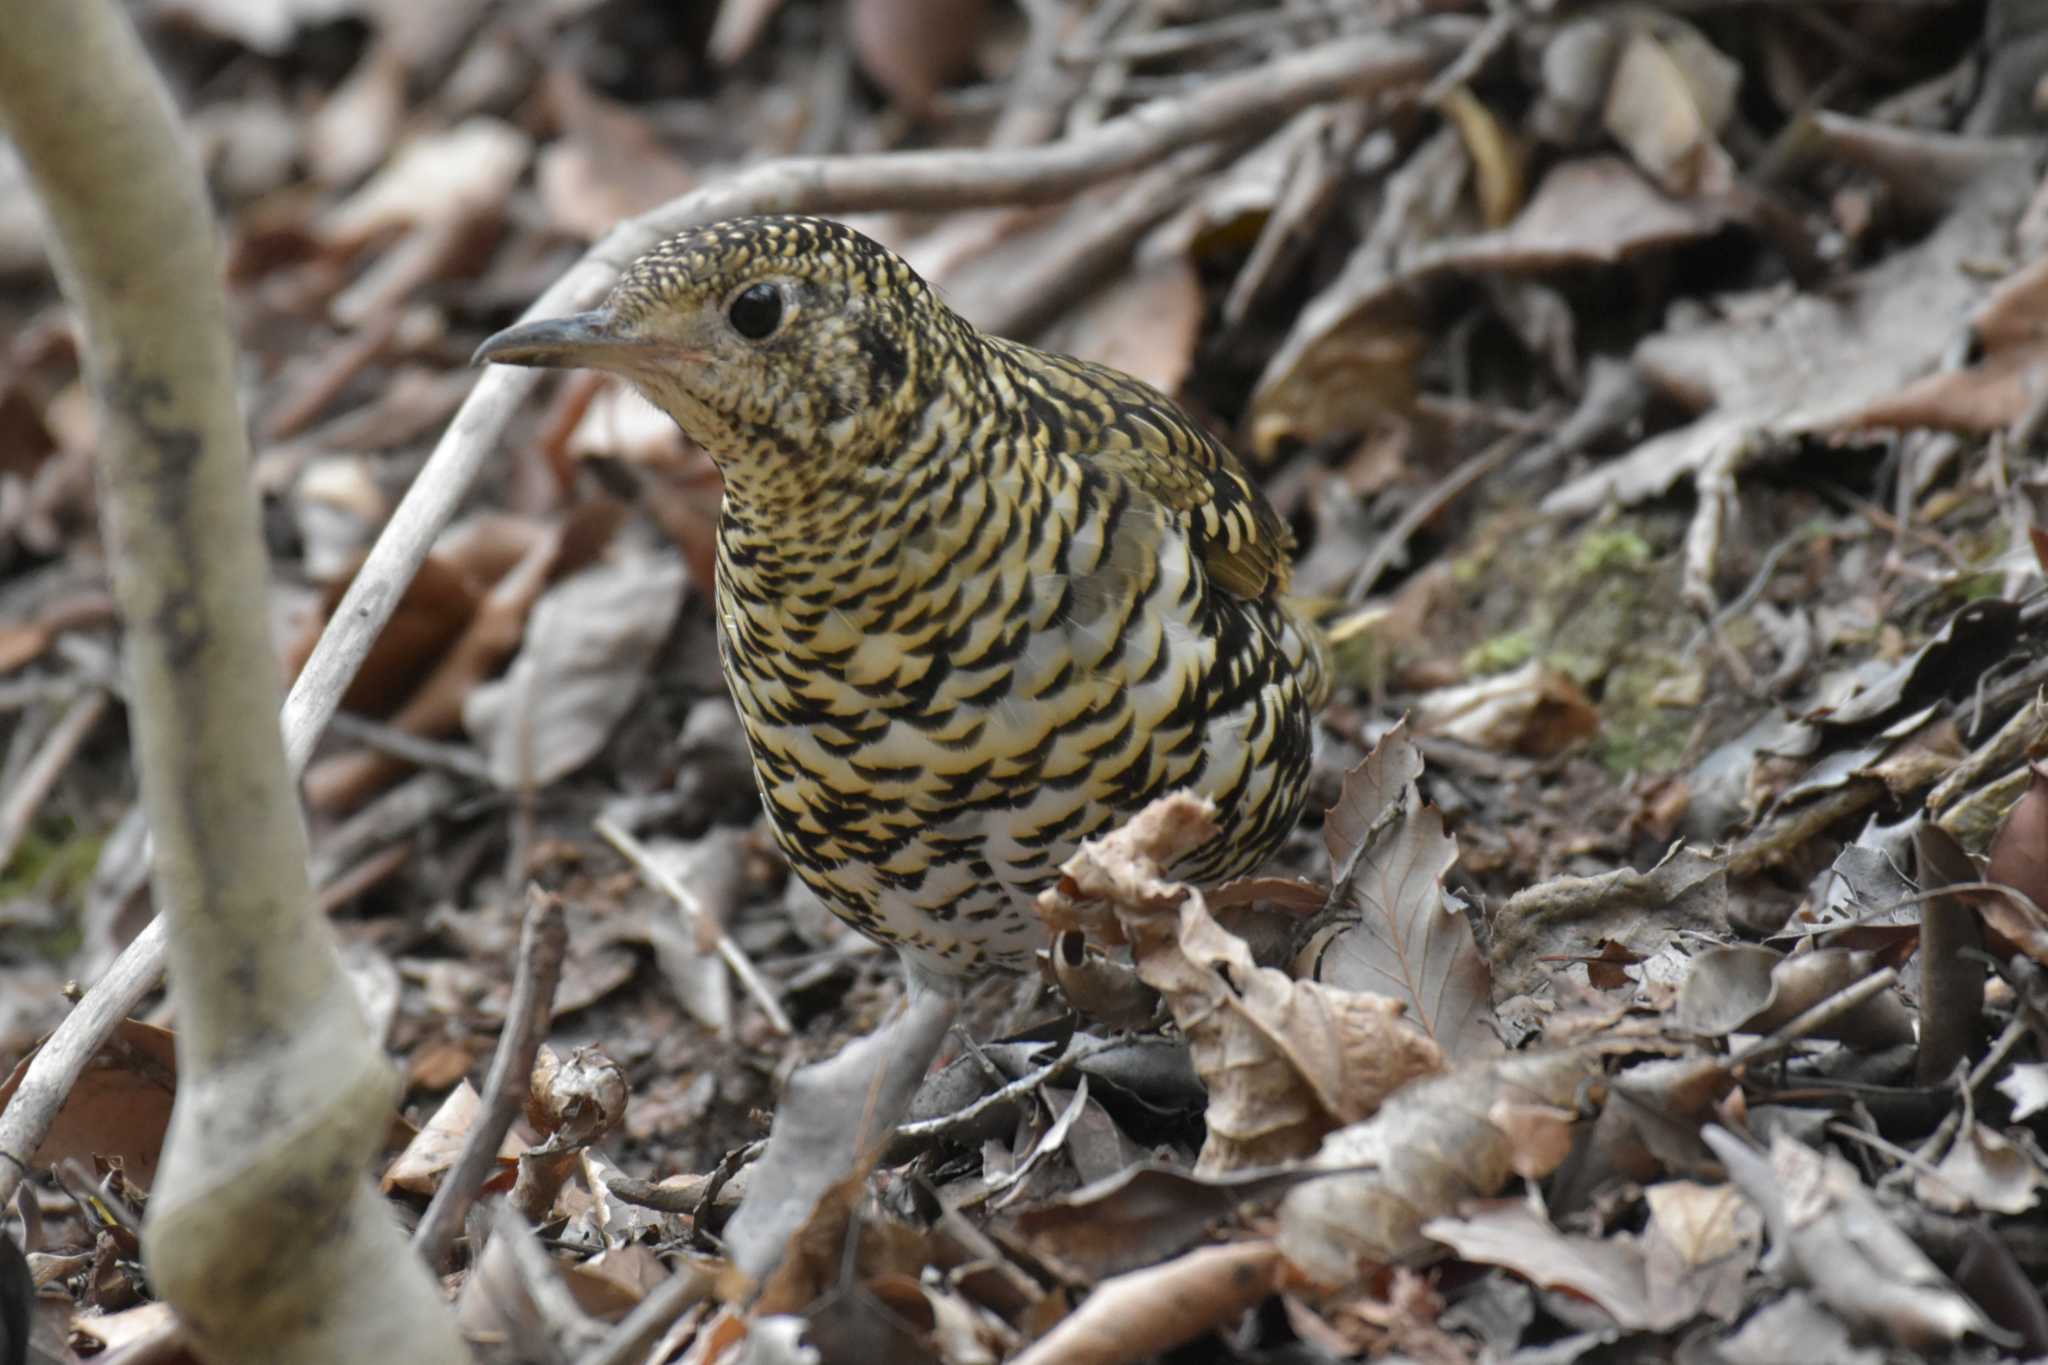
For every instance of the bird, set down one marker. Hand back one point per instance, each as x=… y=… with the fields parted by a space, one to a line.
x=976 y=602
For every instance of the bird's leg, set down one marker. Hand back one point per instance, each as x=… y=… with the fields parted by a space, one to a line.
x=834 y=1119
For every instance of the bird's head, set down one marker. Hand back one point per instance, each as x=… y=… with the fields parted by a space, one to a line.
x=794 y=350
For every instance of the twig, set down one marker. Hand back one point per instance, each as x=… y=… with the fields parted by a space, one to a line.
x=19 y=806
x=561 y=1317
x=925 y=1129
x=928 y=180
x=461 y=759
x=1447 y=490
x=1492 y=36
x=637 y=1331
x=17 y=694
x=705 y=925
x=1895 y=1152
x=392 y=816
x=1937 y=1141
x=1103 y=243
x=1183 y=38
x=1819 y=1016
x=543 y=943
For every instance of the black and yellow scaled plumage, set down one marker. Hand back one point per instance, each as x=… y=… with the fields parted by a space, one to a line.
x=978 y=602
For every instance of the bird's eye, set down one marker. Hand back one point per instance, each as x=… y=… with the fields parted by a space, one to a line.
x=756 y=311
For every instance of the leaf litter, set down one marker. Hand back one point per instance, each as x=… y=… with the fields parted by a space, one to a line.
x=1669 y=980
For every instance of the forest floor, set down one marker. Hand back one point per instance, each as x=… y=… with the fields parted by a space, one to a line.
x=1670 y=380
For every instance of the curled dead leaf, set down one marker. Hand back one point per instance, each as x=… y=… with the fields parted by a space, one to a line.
x=1432 y=1146
x=1285 y=1061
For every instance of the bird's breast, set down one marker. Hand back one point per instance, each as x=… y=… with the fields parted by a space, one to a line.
x=941 y=719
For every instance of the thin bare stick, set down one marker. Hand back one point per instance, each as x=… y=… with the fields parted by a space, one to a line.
x=636 y=1333
x=643 y=860
x=1447 y=490
x=1897 y=1153
x=1828 y=1011
x=1937 y=1142
x=18 y=808
x=964 y=1119
x=543 y=943
x=461 y=759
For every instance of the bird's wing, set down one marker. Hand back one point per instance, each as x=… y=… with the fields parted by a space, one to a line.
x=1146 y=439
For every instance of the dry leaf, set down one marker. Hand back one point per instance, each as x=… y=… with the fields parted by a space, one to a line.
x=1608 y=1270
x=436 y=177
x=1141 y=1216
x=119 y=1107
x=1285 y=1061
x=1391 y=929
x=1748 y=989
x=1497 y=162
x=2026 y=1085
x=1778 y=365
x=1832 y=1232
x=582 y=666
x=2019 y=859
x=1430 y=1148
x=1568 y=917
x=607 y=165
x=1149 y=1311
x=1591 y=211
x=2003 y=384
x=1984 y=1170
x=1146 y=322
x=433 y=1150
x=911 y=48
x=1671 y=92
x=1534 y=710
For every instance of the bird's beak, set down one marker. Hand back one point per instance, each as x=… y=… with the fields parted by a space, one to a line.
x=581 y=341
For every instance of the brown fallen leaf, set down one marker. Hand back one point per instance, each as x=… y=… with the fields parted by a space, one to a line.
x=488 y=638
x=2019 y=859
x=352 y=131
x=2004 y=383
x=1499 y=163
x=1749 y=989
x=581 y=667
x=1566 y=917
x=911 y=48
x=1140 y=1216
x=433 y=1150
x=119 y=1107
x=607 y=165
x=1775 y=365
x=1390 y=929
x=1138 y=1315
x=1431 y=1146
x=1983 y=1170
x=1284 y=1061
x=1347 y=366
x=1693 y=1258
x=1670 y=94
x=435 y=177
x=1534 y=710
x=1146 y=322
